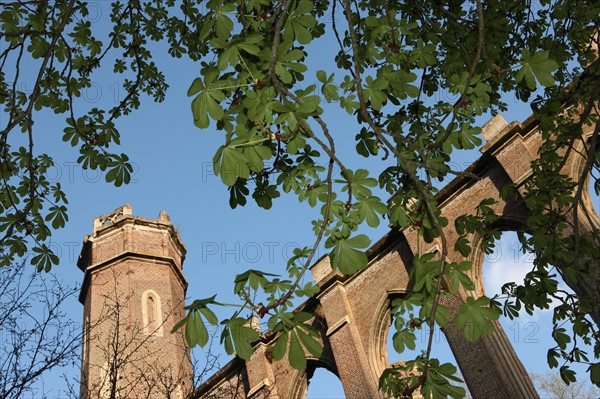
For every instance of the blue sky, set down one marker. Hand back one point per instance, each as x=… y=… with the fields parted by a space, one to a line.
x=173 y=172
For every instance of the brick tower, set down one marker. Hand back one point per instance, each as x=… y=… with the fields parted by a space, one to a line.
x=133 y=293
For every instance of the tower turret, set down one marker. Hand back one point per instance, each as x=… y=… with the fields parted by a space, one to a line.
x=133 y=293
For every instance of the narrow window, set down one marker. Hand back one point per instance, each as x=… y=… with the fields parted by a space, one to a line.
x=86 y=341
x=152 y=313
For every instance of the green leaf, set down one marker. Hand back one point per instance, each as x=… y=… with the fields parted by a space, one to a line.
x=308 y=290
x=242 y=344
x=366 y=144
x=196 y=87
x=426 y=272
x=567 y=375
x=398 y=216
x=463 y=245
x=346 y=257
x=44 y=259
x=456 y=274
x=254 y=149
x=296 y=355
x=252 y=278
x=227 y=341
x=58 y=215
x=191 y=334
x=206 y=104
x=539 y=65
x=475 y=317
x=468 y=137
x=360 y=181
x=311 y=344
x=400 y=83
x=238 y=193
x=561 y=337
x=231 y=164
x=594 y=371
x=369 y=208
x=295 y=144
x=402 y=339
x=38 y=47
x=299 y=22
x=322 y=76
x=223 y=25
x=250 y=48
x=552 y=358
x=179 y=324
x=442 y=313
x=209 y=315
x=242 y=337
x=280 y=346
x=201 y=331
x=309 y=105
x=119 y=170
x=374 y=91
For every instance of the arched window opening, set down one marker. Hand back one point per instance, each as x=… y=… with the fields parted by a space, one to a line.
x=152 y=313
x=508 y=263
x=323 y=383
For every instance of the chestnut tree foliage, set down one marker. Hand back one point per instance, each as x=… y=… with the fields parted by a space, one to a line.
x=393 y=61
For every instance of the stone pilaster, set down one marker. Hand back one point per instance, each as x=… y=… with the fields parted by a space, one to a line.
x=343 y=335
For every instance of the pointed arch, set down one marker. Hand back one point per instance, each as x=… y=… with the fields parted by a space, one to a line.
x=378 y=352
x=152 y=313
x=576 y=172
x=299 y=386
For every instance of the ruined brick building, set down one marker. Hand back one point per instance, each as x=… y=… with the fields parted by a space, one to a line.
x=140 y=261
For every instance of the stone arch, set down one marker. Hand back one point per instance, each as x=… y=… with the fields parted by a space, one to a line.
x=511 y=221
x=586 y=222
x=576 y=171
x=152 y=313
x=299 y=385
x=378 y=334
x=378 y=354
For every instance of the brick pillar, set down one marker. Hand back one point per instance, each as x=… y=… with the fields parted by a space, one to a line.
x=348 y=352
x=490 y=366
x=261 y=379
